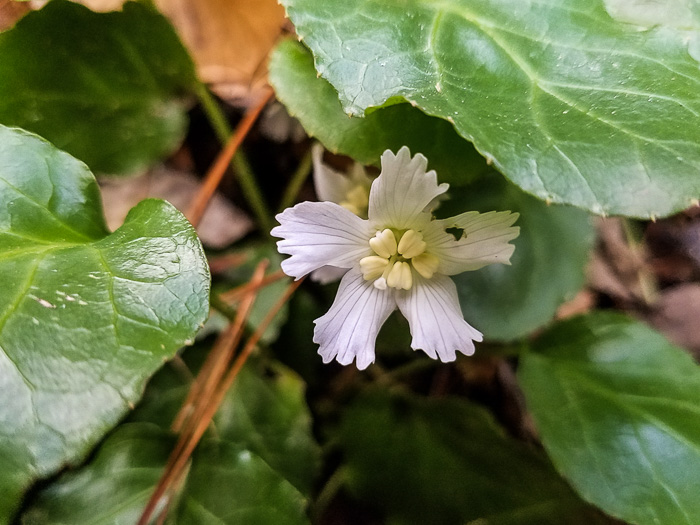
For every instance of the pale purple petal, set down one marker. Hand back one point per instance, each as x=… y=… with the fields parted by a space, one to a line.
x=318 y=234
x=403 y=190
x=327 y=274
x=485 y=240
x=435 y=318
x=349 y=330
x=358 y=175
x=330 y=185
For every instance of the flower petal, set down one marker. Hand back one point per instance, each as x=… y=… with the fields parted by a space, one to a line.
x=402 y=191
x=435 y=318
x=484 y=241
x=328 y=274
x=318 y=234
x=349 y=329
x=330 y=185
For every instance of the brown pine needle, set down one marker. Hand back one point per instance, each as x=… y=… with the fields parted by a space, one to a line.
x=188 y=442
x=234 y=295
x=196 y=404
x=222 y=263
x=177 y=484
x=220 y=356
x=216 y=172
x=216 y=399
x=253 y=341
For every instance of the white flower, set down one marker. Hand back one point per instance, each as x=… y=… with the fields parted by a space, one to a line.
x=400 y=257
x=351 y=192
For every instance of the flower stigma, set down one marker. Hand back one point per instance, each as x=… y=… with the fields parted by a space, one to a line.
x=395 y=258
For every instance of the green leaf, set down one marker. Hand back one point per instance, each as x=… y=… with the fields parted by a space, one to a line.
x=315 y=103
x=680 y=14
x=445 y=461
x=106 y=87
x=114 y=488
x=265 y=411
x=270 y=416
x=226 y=484
x=547 y=267
x=571 y=104
x=258 y=469
x=231 y=485
x=618 y=408
x=85 y=317
x=295 y=346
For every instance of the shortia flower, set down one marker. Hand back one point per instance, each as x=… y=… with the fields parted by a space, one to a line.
x=399 y=257
x=351 y=192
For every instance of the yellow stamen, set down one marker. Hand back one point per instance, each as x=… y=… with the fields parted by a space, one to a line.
x=393 y=262
x=400 y=276
x=411 y=244
x=373 y=267
x=425 y=264
x=384 y=243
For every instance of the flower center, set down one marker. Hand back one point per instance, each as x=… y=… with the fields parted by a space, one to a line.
x=396 y=256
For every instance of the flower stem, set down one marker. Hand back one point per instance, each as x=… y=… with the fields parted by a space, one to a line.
x=240 y=163
x=648 y=286
x=406 y=370
x=252 y=193
x=222 y=306
x=298 y=178
x=212 y=110
x=328 y=493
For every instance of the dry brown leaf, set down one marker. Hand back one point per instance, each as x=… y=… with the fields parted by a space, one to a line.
x=674 y=245
x=102 y=6
x=10 y=12
x=229 y=41
x=583 y=302
x=221 y=225
x=677 y=315
x=618 y=268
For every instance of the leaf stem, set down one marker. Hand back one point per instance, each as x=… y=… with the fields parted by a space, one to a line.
x=198 y=409
x=328 y=493
x=218 y=303
x=648 y=286
x=295 y=184
x=252 y=193
x=240 y=163
x=212 y=110
x=234 y=295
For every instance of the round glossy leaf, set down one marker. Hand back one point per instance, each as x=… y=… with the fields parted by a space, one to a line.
x=116 y=485
x=226 y=484
x=572 y=104
x=315 y=103
x=259 y=469
x=618 y=409
x=230 y=485
x=85 y=316
x=106 y=87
